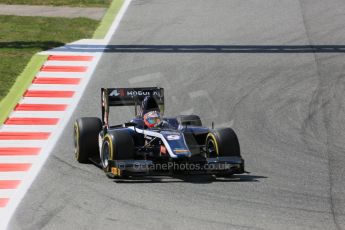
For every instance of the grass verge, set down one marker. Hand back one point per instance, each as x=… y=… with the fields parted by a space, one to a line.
x=22 y=83
x=77 y=3
x=108 y=19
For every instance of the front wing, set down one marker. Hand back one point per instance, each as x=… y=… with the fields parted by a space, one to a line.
x=219 y=165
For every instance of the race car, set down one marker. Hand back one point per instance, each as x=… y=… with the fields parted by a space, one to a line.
x=151 y=144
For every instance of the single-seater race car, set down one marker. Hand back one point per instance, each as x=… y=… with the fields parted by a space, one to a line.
x=153 y=145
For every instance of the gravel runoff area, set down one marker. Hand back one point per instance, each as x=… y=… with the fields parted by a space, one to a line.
x=53 y=11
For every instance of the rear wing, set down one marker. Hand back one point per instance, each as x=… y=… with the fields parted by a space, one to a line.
x=129 y=97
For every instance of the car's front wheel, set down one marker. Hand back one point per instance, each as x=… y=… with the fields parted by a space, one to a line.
x=105 y=154
x=222 y=142
x=117 y=145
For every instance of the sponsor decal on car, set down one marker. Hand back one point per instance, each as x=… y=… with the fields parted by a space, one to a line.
x=142 y=93
x=116 y=93
x=181 y=150
x=149 y=137
x=173 y=137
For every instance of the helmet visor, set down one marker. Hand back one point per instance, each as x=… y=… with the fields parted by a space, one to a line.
x=153 y=120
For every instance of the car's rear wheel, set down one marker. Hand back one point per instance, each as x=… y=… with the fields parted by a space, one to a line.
x=117 y=145
x=86 y=131
x=222 y=142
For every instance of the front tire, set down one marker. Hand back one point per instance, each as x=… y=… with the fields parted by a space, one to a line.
x=106 y=153
x=222 y=142
x=117 y=145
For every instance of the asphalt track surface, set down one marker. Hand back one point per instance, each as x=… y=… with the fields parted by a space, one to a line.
x=287 y=108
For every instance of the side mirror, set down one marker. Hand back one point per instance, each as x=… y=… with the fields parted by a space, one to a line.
x=130 y=124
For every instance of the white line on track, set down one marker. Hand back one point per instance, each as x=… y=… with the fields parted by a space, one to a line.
x=28 y=128
x=53 y=87
x=45 y=100
x=7 y=193
x=38 y=114
x=117 y=21
x=22 y=143
x=13 y=175
x=68 y=63
x=79 y=42
x=61 y=75
x=18 y=159
x=2 y=211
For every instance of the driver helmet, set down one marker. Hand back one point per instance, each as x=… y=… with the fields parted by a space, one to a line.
x=152 y=119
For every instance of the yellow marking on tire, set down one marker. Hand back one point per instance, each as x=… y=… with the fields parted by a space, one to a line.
x=214 y=140
x=110 y=146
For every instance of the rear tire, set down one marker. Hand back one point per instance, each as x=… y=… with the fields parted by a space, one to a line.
x=117 y=145
x=222 y=142
x=193 y=120
x=86 y=131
